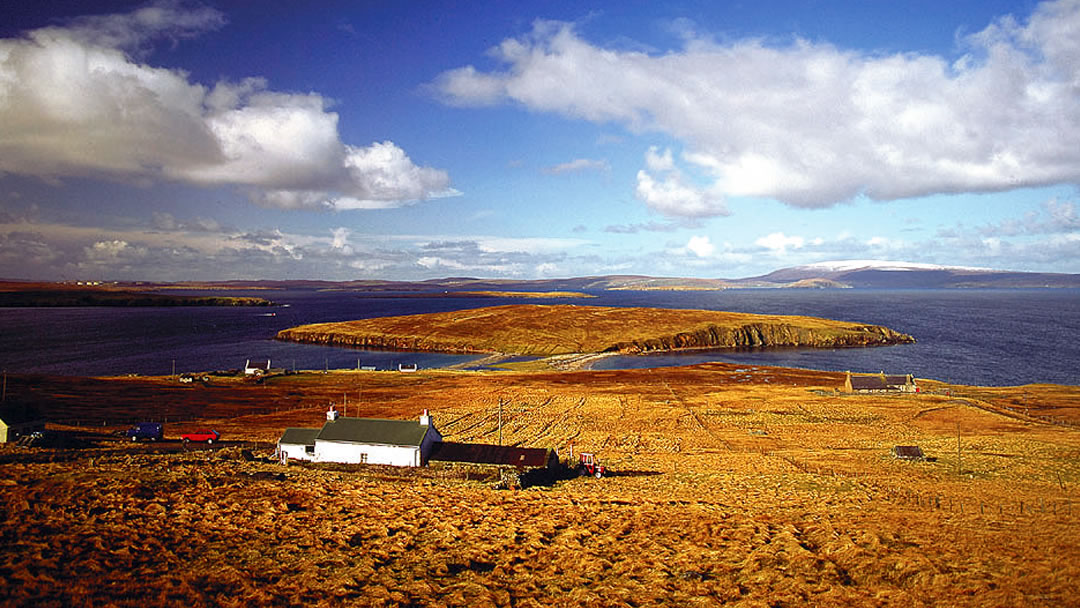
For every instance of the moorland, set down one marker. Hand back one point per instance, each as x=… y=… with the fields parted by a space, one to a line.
x=734 y=485
x=546 y=330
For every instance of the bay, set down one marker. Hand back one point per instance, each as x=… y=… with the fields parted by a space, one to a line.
x=979 y=337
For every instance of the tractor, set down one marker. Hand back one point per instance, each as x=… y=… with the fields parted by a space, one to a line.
x=588 y=465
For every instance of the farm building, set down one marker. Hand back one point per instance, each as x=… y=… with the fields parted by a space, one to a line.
x=518 y=467
x=403 y=443
x=880 y=383
x=19 y=420
x=908 y=452
x=494 y=455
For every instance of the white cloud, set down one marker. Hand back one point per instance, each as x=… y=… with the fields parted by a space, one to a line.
x=671 y=194
x=532 y=245
x=778 y=242
x=1054 y=217
x=340 y=240
x=578 y=165
x=700 y=246
x=106 y=250
x=130 y=120
x=811 y=124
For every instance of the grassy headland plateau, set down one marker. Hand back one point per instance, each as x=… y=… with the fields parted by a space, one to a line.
x=51 y=295
x=565 y=329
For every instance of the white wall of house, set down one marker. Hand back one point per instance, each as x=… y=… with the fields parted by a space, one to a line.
x=295 y=451
x=356 y=453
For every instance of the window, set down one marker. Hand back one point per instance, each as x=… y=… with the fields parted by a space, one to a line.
x=309 y=449
x=363 y=458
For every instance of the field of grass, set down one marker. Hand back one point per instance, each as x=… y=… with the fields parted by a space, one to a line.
x=740 y=485
x=563 y=329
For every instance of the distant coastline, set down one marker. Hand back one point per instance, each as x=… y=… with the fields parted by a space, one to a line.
x=59 y=297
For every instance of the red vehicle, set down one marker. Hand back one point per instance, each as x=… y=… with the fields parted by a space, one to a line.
x=589 y=466
x=204 y=435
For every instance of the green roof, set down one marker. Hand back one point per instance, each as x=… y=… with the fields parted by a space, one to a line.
x=374 y=431
x=298 y=436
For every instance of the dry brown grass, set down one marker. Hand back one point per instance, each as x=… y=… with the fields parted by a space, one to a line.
x=562 y=329
x=741 y=485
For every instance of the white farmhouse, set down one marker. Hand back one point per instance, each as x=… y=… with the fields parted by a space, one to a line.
x=403 y=443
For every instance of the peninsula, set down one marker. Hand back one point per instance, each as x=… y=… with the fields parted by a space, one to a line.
x=14 y=294
x=547 y=330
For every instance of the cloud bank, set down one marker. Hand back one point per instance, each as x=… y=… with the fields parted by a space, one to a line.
x=811 y=124
x=75 y=102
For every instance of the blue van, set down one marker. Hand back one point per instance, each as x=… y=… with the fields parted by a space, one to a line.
x=152 y=431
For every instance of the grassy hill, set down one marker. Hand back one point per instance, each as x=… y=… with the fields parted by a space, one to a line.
x=562 y=329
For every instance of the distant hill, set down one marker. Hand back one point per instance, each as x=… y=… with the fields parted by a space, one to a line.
x=886 y=274
x=822 y=275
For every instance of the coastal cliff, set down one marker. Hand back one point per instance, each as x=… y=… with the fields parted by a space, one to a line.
x=563 y=329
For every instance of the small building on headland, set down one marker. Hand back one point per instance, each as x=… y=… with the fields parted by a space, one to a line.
x=257 y=368
x=403 y=443
x=880 y=383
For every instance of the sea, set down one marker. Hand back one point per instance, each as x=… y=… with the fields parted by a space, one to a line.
x=987 y=337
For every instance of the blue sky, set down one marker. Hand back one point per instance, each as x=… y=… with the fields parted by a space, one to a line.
x=410 y=140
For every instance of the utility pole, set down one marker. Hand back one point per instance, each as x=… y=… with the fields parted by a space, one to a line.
x=500 y=420
x=174 y=367
x=959 y=468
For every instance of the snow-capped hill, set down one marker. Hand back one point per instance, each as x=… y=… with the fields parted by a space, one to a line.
x=850 y=265
x=889 y=274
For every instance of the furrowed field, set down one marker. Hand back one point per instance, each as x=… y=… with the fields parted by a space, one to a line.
x=747 y=486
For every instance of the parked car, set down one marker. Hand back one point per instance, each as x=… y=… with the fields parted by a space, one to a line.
x=150 y=431
x=204 y=435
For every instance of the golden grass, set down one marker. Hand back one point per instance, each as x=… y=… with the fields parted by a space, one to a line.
x=564 y=329
x=518 y=294
x=739 y=485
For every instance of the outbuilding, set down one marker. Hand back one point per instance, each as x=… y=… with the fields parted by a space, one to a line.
x=17 y=420
x=880 y=383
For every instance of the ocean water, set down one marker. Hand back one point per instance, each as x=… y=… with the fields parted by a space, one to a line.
x=984 y=337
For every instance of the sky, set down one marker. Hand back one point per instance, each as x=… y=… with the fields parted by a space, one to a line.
x=343 y=140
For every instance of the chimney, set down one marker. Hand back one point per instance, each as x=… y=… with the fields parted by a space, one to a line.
x=331 y=414
x=425 y=419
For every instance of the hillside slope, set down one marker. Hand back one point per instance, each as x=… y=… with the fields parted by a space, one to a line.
x=563 y=329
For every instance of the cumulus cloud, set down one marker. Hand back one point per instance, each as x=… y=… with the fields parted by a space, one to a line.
x=666 y=190
x=75 y=102
x=778 y=242
x=700 y=246
x=812 y=124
